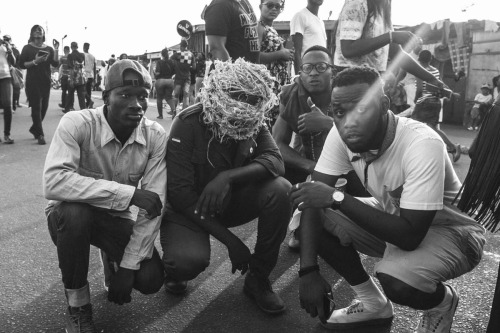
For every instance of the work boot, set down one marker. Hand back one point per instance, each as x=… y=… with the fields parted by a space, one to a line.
x=79 y=320
x=259 y=288
x=436 y=321
x=355 y=316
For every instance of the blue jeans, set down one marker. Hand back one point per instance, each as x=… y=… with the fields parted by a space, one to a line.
x=6 y=94
x=75 y=226
x=186 y=246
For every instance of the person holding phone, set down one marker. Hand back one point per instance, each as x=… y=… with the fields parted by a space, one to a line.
x=37 y=57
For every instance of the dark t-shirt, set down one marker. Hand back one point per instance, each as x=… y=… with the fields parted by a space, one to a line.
x=166 y=68
x=40 y=74
x=75 y=57
x=236 y=21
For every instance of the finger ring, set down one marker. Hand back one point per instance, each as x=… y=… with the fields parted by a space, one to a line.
x=301 y=203
x=313 y=106
x=298 y=185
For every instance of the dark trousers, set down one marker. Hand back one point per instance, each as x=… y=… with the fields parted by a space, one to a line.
x=186 y=246
x=6 y=95
x=64 y=89
x=80 y=92
x=494 y=323
x=75 y=226
x=88 y=90
x=38 y=97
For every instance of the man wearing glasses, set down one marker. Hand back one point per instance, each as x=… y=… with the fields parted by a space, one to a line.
x=306 y=111
x=307 y=30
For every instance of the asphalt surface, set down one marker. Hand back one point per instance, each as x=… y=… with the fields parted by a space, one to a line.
x=31 y=292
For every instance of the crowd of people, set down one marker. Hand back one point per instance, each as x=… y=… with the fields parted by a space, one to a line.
x=327 y=153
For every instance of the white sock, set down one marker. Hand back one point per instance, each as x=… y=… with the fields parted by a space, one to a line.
x=368 y=293
x=445 y=303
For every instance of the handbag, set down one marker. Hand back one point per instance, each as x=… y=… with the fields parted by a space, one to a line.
x=17 y=78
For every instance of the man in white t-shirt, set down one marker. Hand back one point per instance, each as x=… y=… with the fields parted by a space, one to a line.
x=409 y=222
x=307 y=30
x=90 y=70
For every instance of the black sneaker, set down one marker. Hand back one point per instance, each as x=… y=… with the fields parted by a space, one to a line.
x=41 y=140
x=79 y=320
x=259 y=288
x=175 y=287
x=7 y=139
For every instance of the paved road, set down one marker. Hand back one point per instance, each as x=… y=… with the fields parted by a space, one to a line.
x=31 y=292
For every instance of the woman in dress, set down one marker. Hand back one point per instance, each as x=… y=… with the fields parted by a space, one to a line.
x=273 y=53
x=37 y=57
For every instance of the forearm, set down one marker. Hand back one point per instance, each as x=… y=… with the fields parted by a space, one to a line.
x=413 y=67
x=211 y=225
x=293 y=159
x=220 y=53
x=269 y=57
x=389 y=228
x=359 y=47
x=248 y=173
x=310 y=229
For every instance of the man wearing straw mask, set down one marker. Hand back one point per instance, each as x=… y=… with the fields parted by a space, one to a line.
x=224 y=170
x=409 y=222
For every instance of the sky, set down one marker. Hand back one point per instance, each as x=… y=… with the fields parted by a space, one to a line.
x=135 y=27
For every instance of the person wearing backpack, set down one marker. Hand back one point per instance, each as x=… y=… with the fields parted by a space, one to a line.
x=76 y=61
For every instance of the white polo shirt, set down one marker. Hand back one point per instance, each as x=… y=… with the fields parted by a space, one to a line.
x=414 y=173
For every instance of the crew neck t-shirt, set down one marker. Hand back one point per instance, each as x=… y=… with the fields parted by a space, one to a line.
x=236 y=20
x=311 y=27
x=414 y=173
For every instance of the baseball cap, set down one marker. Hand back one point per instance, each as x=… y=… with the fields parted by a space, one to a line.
x=116 y=71
x=485 y=85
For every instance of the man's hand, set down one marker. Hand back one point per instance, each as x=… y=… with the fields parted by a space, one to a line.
x=121 y=285
x=286 y=54
x=406 y=39
x=312 y=291
x=314 y=121
x=149 y=201
x=211 y=200
x=311 y=195
x=240 y=255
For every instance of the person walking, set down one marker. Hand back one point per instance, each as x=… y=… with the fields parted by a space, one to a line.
x=37 y=57
x=64 y=78
x=7 y=60
x=90 y=74
x=164 y=85
x=76 y=62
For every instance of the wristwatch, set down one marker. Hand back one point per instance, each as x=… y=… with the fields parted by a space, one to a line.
x=338 y=197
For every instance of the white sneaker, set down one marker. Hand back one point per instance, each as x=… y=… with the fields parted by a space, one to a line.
x=355 y=316
x=293 y=243
x=439 y=321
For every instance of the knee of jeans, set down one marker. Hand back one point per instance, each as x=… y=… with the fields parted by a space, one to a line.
x=396 y=290
x=74 y=217
x=149 y=279
x=185 y=266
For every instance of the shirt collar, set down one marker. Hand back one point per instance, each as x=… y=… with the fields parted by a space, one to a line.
x=108 y=135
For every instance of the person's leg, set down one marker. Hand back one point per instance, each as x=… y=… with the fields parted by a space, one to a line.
x=88 y=92
x=267 y=200
x=35 y=102
x=416 y=278
x=70 y=98
x=186 y=247
x=45 y=93
x=160 y=95
x=16 y=92
x=177 y=92
x=185 y=90
x=80 y=92
x=64 y=91
x=171 y=101
x=6 y=95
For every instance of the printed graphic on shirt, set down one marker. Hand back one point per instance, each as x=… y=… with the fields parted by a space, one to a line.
x=249 y=21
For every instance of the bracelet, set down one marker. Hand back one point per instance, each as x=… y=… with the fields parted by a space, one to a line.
x=390 y=37
x=309 y=269
x=34 y=63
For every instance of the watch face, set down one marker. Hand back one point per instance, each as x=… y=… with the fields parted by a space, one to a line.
x=338 y=196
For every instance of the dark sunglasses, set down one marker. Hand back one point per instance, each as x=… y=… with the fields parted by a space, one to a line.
x=271 y=5
x=321 y=67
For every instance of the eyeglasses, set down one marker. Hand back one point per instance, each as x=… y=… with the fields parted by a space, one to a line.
x=271 y=5
x=321 y=67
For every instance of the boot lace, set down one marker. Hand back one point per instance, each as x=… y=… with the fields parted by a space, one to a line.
x=82 y=319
